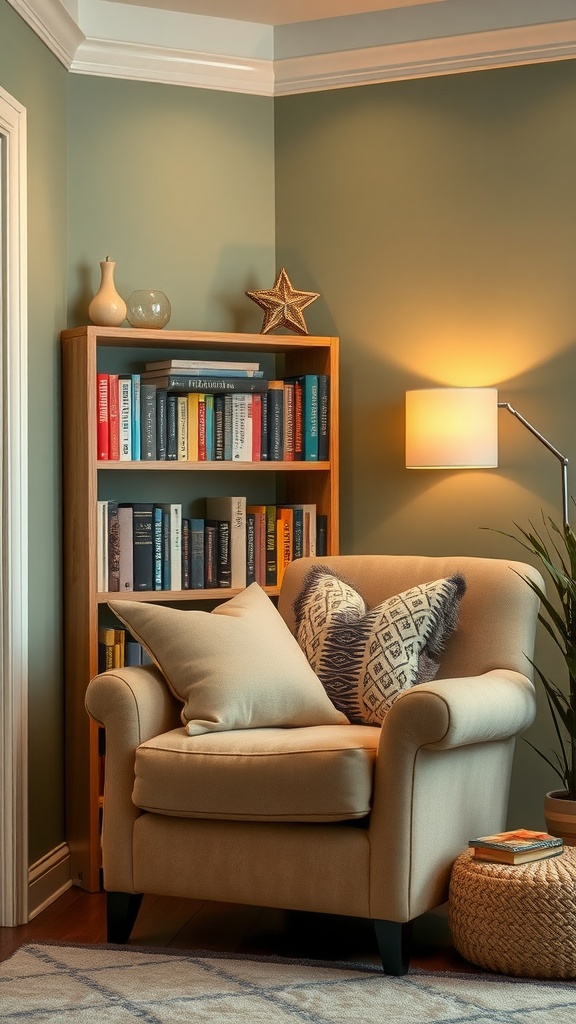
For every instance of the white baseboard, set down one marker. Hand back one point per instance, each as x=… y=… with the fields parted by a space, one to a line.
x=48 y=878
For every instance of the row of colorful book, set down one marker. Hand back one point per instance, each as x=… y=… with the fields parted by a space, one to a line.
x=149 y=546
x=161 y=415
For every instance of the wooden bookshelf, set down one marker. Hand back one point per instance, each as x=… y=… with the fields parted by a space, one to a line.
x=85 y=352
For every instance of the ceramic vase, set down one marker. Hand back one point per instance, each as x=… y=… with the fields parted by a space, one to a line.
x=560 y=816
x=107 y=308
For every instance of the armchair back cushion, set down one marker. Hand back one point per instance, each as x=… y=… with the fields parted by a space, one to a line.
x=496 y=623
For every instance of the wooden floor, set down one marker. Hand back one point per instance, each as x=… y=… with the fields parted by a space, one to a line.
x=78 y=916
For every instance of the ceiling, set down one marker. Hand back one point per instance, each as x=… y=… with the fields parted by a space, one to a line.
x=276 y=12
x=284 y=47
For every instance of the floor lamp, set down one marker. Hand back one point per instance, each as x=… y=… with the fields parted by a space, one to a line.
x=457 y=428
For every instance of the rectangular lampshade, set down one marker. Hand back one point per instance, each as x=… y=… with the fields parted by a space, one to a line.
x=452 y=428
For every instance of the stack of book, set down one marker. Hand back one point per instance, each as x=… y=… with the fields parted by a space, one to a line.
x=148 y=546
x=519 y=846
x=207 y=410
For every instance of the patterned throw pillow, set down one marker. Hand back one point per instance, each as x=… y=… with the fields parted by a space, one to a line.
x=366 y=658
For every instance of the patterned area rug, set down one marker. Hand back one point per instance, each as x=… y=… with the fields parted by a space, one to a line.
x=108 y=984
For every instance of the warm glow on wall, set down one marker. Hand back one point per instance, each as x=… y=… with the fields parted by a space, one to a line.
x=452 y=428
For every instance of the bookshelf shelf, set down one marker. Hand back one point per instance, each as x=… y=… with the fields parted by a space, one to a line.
x=87 y=351
x=217 y=467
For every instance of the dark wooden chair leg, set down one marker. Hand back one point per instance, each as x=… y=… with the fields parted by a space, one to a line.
x=394 y=943
x=121 y=913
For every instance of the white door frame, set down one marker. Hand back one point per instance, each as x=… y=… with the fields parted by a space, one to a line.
x=13 y=516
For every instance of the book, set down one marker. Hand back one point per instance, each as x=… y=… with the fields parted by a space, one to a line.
x=106 y=641
x=218 y=428
x=519 y=846
x=158 y=547
x=161 y=425
x=202 y=364
x=210 y=555
x=190 y=371
x=119 y=645
x=147 y=422
x=113 y=547
x=185 y=553
x=113 y=418
x=275 y=420
x=125 y=417
x=321 y=536
x=297 y=531
x=102 y=546
x=209 y=401
x=187 y=383
x=171 y=427
x=223 y=553
x=143 y=545
x=256 y=402
x=132 y=652
x=227 y=428
x=271 y=545
x=298 y=442
x=323 y=417
x=250 y=549
x=196 y=554
x=241 y=428
x=284 y=540
x=102 y=426
x=136 y=417
x=193 y=400
x=310 y=417
x=126 y=538
x=174 y=511
x=182 y=427
x=202 y=452
x=233 y=511
x=259 y=513
x=288 y=421
x=264 y=427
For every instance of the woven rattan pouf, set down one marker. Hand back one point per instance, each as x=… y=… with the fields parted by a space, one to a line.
x=516 y=919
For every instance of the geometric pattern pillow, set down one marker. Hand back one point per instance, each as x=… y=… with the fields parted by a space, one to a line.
x=366 y=658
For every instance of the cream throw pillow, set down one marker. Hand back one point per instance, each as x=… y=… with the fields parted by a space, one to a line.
x=364 y=657
x=236 y=667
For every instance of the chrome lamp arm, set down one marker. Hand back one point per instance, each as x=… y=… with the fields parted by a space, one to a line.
x=561 y=458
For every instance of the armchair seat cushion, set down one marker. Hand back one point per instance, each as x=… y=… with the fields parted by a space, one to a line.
x=316 y=773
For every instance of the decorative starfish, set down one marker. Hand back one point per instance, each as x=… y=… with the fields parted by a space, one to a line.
x=283 y=305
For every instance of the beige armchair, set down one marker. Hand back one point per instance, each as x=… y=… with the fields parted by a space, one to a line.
x=265 y=830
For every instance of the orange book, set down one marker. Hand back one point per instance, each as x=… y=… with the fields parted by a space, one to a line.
x=284 y=540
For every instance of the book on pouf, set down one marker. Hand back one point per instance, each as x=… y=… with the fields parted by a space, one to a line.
x=519 y=846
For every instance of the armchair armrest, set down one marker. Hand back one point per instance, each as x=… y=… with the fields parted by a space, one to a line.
x=132 y=704
x=455 y=712
x=442 y=776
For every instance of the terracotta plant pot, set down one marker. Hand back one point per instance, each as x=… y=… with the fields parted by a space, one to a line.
x=560 y=815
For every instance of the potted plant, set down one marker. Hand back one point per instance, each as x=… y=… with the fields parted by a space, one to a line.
x=555 y=549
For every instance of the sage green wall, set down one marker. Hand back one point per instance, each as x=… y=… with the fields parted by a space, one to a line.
x=177 y=186
x=33 y=76
x=437 y=218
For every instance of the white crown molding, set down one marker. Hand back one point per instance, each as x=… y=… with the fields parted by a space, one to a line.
x=53 y=25
x=426 y=58
x=146 y=62
x=174 y=67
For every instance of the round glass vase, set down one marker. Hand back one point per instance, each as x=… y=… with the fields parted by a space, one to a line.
x=148 y=309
